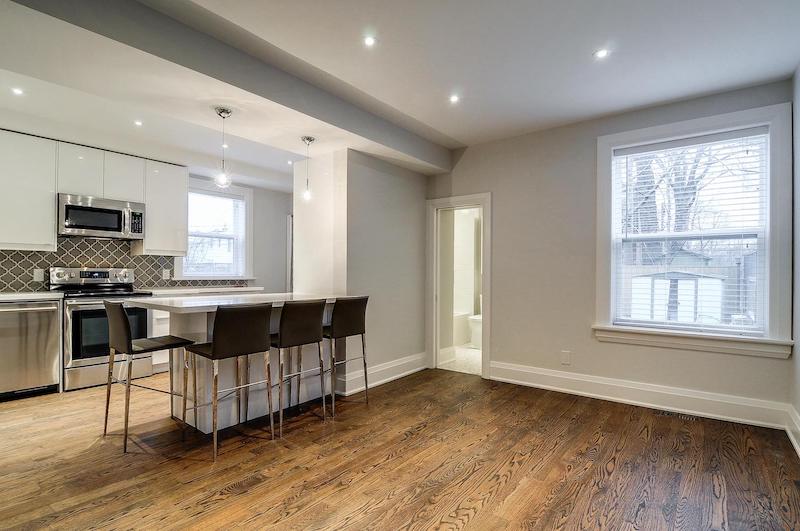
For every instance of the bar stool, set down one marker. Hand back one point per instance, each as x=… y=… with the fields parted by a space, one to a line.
x=238 y=331
x=300 y=324
x=348 y=319
x=119 y=341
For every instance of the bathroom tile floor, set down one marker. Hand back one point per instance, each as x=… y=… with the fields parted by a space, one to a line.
x=467 y=359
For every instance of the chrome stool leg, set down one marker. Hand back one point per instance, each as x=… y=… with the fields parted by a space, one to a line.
x=194 y=388
x=246 y=389
x=364 y=359
x=214 y=390
x=185 y=389
x=333 y=377
x=268 y=375
x=299 y=372
x=322 y=379
x=128 y=402
x=280 y=392
x=238 y=389
x=111 y=355
x=171 y=382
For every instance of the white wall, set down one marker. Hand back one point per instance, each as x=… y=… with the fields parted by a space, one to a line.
x=464 y=242
x=543 y=189
x=796 y=240
x=386 y=254
x=270 y=211
x=363 y=233
x=320 y=242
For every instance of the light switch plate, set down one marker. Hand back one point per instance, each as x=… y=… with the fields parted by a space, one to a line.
x=566 y=357
x=38 y=275
x=165 y=274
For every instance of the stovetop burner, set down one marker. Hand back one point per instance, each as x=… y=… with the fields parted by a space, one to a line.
x=84 y=282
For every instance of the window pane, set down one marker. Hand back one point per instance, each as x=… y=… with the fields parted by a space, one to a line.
x=216 y=236
x=709 y=284
x=690 y=235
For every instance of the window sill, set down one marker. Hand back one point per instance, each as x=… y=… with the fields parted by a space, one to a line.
x=744 y=346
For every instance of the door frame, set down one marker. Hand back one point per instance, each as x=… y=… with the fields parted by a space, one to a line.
x=483 y=201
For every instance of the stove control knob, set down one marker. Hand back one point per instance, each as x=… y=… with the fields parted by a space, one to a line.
x=122 y=276
x=60 y=274
x=72 y=275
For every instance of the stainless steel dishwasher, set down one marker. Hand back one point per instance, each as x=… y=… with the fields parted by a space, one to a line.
x=30 y=346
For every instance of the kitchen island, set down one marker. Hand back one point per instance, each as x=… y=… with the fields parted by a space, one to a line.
x=192 y=317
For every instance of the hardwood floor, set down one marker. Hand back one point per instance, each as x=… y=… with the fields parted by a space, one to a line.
x=437 y=449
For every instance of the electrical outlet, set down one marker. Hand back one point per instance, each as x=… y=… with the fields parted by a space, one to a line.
x=566 y=357
x=165 y=274
x=38 y=275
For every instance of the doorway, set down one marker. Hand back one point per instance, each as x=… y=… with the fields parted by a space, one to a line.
x=458 y=274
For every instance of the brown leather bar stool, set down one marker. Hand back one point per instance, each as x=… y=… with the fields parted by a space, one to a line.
x=348 y=319
x=238 y=331
x=300 y=324
x=120 y=342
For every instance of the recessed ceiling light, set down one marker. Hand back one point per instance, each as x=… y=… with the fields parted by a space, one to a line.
x=454 y=98
x=369 y=41
x=224 y=146
x=290 y=163
x=602 y=53
x=17 y=91
x=137 y=123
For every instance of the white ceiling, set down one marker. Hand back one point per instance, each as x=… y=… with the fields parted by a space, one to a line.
x=519 y=65
x=83 y=87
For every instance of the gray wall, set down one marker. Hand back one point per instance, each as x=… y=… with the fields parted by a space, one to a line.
x=796 y=322
x=386 y=253
x=543 y=258
x=270 y=209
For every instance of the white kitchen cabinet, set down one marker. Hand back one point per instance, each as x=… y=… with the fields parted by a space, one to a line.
x=80 y=170
x=28 y=216
x=123 y=177
x=166 y=192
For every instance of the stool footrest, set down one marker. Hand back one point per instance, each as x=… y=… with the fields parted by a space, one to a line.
x=342 y=362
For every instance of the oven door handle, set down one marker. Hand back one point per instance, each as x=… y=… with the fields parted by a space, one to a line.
x=30 y=309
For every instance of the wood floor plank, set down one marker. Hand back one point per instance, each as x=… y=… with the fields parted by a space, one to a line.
x=434 y=450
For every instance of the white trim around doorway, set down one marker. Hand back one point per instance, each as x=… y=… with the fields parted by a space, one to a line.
x=483 y=201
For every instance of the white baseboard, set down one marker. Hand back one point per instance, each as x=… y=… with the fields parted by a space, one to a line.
x=353 y=381
x=793 y=427
x=767 y=413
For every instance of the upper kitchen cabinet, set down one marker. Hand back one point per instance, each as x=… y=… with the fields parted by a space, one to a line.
x=166 y=192
x=80 y=170
x=28 y=217
x=123 y=178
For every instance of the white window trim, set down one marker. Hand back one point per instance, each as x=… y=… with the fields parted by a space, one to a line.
x=777 y=342
x=239 y=192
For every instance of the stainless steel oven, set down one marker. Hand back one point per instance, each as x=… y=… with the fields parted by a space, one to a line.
x=85 y=334
x=82 y=215
x=86 y=343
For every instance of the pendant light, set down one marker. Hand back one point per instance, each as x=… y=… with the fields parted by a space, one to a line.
x=223 y=179
x=308 y=140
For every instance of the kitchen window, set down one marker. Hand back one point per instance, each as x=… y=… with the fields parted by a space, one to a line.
x=220 y=234
x=694 y=234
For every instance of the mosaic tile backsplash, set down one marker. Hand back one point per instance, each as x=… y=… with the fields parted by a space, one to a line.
x=16 y=267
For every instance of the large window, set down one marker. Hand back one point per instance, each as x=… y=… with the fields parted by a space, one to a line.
x=697 y=227
x=218 y=234
x=690 y=237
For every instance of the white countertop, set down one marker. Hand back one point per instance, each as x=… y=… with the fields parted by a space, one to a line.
x=206 y=304
x=31 y=296
x=176 y=291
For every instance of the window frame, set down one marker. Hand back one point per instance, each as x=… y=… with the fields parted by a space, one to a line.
x=235 y=192
x=776 y=342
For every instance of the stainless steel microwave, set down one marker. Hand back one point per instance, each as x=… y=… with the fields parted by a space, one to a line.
x=83 y=215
